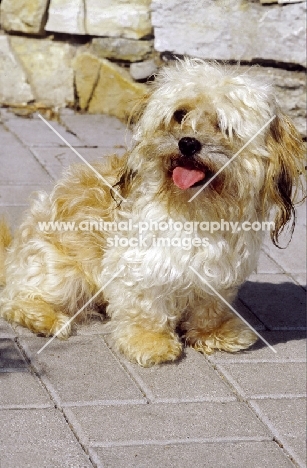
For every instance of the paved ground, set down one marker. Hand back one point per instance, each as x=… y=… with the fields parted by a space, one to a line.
x=78 y=404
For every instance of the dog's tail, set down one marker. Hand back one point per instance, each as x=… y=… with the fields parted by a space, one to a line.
x=5 y=240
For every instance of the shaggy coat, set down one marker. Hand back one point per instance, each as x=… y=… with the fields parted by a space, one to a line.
x=196 y=118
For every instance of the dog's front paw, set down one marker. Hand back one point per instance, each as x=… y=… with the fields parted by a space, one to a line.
x=232 y=336
x=147 y=347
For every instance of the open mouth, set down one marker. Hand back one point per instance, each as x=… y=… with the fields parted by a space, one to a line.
x=189 y=173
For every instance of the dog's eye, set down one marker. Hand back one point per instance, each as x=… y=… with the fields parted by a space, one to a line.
x=179 y=115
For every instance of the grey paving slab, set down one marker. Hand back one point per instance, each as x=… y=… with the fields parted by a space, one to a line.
x=13 y=214
x=18 y=165
x=267 y=379
x=193 y=455
x=300 y=278
x=98 y=130
x=301 y=214
x=6 y=331
x=267 y=265
x=10 y=357
x=290 y=346
x=56 y=160
x=165 y=423
x=82 y=370
x=286 y=418
x=296 y=446
x=97 y=325
x=276 y=300
x=7 y=113
x=22 y=390
x=293 y=258
x=189 y=379
x=247 y=314
x=19 y=195
x=39 y=438
x=35 y=132
x=21 y=331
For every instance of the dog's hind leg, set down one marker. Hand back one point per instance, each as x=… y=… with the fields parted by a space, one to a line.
x=44 y=288
x=37 y=315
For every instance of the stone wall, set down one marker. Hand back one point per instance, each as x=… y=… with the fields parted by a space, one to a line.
x=94 y=55
x=63 y=53
x=231 y=30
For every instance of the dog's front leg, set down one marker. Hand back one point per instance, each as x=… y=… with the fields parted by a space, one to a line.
x=210 y=325
x=144 y=344
x=142 y=327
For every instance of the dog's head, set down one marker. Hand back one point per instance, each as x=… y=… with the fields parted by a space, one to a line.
x=206 y=126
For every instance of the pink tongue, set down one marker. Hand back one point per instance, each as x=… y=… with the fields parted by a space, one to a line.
x=185 y=178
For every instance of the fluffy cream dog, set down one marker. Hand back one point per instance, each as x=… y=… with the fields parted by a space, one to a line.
x=196 y=118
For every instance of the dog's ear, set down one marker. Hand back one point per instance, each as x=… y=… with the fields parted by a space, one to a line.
x=125 y=182
x=283 y=184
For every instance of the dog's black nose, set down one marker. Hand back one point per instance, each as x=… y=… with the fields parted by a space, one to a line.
x=189 y=146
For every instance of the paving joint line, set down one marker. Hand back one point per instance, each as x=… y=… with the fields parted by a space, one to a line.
x=40 y=163
x=225 y=379
x=246 y=401
x=56 y=404
x=283 y=271
x=266 y=329
x=125 y=367
x=29 y=149
x=35 y=372
x=276 y=437
x=162 y=443
x=286 y=452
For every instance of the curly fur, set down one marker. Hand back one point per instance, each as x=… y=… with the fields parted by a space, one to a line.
x=50 y=275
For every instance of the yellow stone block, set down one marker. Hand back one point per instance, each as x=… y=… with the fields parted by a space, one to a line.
x=48 y=65
x=110 y=91
x=87 y=69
